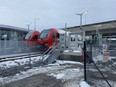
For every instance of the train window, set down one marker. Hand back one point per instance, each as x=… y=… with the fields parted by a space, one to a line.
x=54 y=35
x=44 y=34
x=28 y=35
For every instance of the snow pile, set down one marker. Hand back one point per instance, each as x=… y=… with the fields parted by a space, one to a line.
x=76 y=51
x=84 y=84
x=103 y=57
x=73 y=52
x=67 y=74
x=59 y=62
x=9 y=64
x=25 y=61
x=111 y=39
x=68 y=62
x=98 y=58
x=58 y=76
x=66 y=50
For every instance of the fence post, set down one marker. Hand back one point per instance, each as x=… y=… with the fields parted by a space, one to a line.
x=5 y=46
x=90 y=57
x=84 y=49
x=29 y=55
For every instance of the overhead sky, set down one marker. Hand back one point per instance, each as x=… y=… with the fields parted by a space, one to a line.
x=55 y=13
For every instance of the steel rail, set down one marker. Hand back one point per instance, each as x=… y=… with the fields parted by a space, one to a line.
x=19 y=56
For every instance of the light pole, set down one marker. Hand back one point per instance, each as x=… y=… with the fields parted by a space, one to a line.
x=81 y=14
x=28 y=26
x=82 y=31
x=84 y=45
x=35 y=23
x=65 y=34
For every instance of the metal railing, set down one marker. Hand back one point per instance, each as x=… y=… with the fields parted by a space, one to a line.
x=17 y=47
x=51 y=54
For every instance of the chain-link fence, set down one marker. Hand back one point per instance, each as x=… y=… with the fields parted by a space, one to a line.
x=16 y=47
x=101 y=62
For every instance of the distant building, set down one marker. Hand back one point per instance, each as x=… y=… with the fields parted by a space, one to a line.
x=106 y=28
x=12 y=33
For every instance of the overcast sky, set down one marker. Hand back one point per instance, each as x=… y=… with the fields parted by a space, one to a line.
x=55 y=13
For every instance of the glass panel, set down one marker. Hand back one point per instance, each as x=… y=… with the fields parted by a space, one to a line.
x=72 y=37
x=44 y=34
x=28 y=35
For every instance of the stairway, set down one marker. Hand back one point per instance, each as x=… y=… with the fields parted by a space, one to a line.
x=51 y=55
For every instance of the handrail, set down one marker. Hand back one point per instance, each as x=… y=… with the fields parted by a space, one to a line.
x=49 y=52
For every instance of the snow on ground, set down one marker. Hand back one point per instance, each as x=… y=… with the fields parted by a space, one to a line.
x=72 y=75
x=25 y=61
x=68 y=62
x=111 y=39
x=9 y=64
x=28 y=73
x=58 y=70
x=78 y=50
x=98 y=58
x=103 y=58
x=84 y=84
x=67 y=74
x=73 y=52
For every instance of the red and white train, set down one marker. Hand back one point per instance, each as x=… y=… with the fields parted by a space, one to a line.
x=45 y=39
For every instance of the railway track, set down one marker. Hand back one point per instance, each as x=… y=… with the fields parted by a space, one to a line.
x=51 y=51
x=19 y=56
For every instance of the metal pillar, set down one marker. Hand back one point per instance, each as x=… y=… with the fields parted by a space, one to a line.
x=84 y=49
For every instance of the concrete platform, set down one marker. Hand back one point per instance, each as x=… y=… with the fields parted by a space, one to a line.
x=73 y=56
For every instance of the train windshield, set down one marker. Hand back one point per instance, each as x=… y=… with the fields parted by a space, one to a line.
x=44 y=34
x=28 y=35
